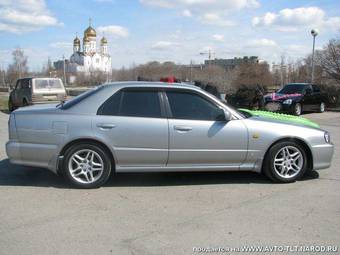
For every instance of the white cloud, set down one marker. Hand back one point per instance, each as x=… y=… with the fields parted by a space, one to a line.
x=293 y=19
x=20 y=16
x=61 y=45
x=216 y=19
x=207 y=4
x=262 y=43
x=212 y=12
x=113 y=31
x=164 y=45
x=218 y=38
x=187 y=13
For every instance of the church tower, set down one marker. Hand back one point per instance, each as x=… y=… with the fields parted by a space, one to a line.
x=103 y=46
x=76 y=45
x=86 y=45
x=91 y=35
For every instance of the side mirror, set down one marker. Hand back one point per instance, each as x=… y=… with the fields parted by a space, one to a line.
x=227 y=115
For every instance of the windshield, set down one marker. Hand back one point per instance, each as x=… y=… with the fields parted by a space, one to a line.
x=292 y=89
x=48 y=84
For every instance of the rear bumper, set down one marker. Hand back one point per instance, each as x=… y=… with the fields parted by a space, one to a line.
x=322 y=156
x=37 y=155
x=13 y=151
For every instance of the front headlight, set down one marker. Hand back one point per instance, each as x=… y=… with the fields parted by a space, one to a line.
x=288 y=101
x=327 y=137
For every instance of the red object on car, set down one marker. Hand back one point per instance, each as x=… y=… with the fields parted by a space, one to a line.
x=170 y=79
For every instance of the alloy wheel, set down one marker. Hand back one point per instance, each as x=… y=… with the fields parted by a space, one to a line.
x=322 y=107
x=86 y=166
x=288 y=162
x=298 y=109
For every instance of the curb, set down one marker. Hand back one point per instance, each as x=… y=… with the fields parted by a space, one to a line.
x=333 y=109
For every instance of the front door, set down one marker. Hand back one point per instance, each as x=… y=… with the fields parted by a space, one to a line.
x=134 y=125
x=198 y=137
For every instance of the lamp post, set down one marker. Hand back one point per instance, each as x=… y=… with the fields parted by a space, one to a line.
x=314 y=33
x=209 y=53
x=64 y=70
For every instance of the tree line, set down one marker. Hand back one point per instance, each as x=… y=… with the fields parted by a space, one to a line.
x=247 y=75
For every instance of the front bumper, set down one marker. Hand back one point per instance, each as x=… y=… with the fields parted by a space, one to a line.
x=279 y=107
x=322 y=156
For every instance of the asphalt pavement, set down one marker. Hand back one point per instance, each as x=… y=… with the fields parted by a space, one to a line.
x=167 y=213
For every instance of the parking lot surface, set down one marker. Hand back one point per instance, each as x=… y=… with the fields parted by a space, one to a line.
x=166 y=213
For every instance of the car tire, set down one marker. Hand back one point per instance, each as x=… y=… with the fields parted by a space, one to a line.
x=24 y=103
x=321 y=107
x=285 y=162
x=11 y=107
x=297 y=110
x=86 y=166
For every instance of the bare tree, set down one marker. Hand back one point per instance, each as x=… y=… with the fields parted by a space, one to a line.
x=329 y=60
x=251 y=75
x=19 y=66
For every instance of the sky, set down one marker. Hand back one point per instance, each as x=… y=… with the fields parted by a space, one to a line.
x=139 y=31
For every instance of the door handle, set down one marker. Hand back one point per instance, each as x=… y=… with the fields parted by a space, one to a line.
x=183 y=128
x=106 y=125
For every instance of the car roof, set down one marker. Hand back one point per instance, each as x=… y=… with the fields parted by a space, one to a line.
x=150 y=84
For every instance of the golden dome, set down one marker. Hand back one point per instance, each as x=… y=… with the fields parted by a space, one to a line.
x=86 y=39
x=103 y=40
x=76 y=41
x=90 y=32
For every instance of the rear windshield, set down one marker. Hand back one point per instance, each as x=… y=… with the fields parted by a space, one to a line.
x=79 y=98
x=48 y=84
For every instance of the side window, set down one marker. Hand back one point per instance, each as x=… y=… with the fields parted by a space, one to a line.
x=132 y=103
x=192 y=106
x=316 y=88
x=18 y=86
x=25 y=84
x=111 y=106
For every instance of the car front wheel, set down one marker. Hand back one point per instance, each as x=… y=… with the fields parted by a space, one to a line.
x=322 y=107
x=285 y=162
x=86 y=166
x=297 y=109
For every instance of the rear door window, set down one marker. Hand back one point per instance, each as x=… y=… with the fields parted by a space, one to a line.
x=134 y=103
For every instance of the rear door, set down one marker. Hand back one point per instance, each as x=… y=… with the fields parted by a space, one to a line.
x=316 y=97
x=25 y=92
x=16 y=94
x=308 y=99
x=133 y=122
x=198 y=137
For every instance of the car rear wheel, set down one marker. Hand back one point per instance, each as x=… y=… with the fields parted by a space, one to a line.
x=24 y=103
x=86 y=166
x=322 y=107
x=297 y=109
x=285 y=162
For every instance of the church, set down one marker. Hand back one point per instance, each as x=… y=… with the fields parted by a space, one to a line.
x=87 y=57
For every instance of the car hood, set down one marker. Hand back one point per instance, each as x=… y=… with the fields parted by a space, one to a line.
x=280 y=118
x=278 y=97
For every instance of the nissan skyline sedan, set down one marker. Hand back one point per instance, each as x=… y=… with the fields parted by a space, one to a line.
x=157 y=127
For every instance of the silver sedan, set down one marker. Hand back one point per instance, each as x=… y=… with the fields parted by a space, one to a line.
x=149 y=127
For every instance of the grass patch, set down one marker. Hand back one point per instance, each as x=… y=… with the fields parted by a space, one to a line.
x=3 y=103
